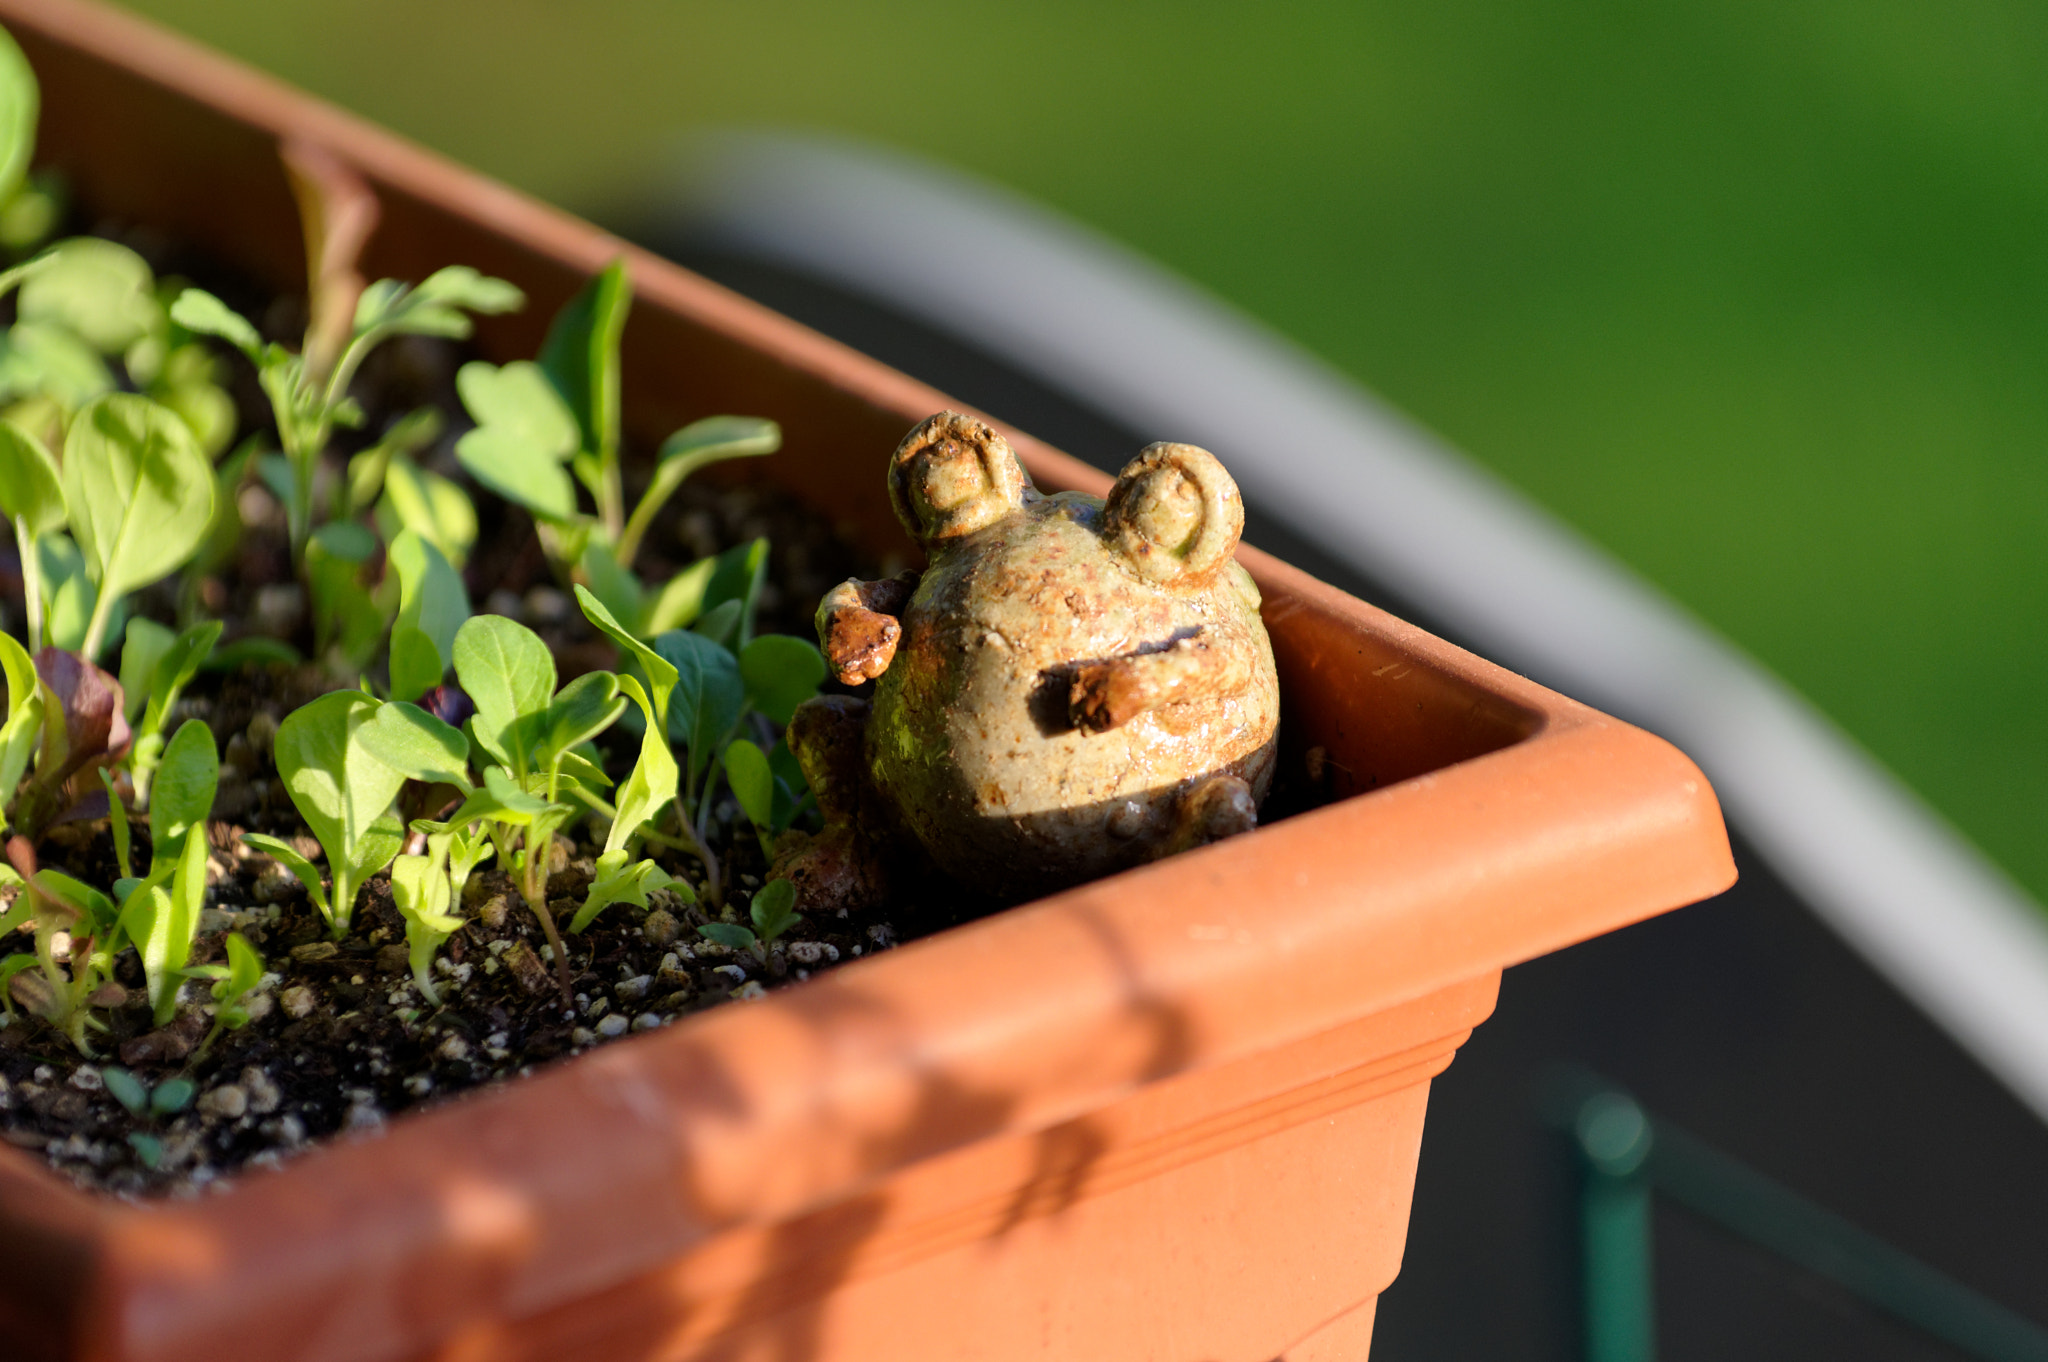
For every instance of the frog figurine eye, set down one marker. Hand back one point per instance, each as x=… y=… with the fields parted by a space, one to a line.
x=1174 y=515
x=952 y=476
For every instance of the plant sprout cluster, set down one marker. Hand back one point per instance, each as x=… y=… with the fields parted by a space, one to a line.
x=446 y=738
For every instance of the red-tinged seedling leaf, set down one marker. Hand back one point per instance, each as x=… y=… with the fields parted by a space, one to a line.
x=85 y=727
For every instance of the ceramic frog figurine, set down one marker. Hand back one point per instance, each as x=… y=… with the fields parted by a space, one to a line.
x=1072 y=686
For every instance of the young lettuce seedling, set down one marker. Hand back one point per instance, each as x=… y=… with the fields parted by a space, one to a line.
x=146 y=1103
x=424 y=893
x=773 y=912
x=233 y=984
x=433 y=605
x=544 y=427
x=21 y=728
x=156 y=666
x=140 y=493
x=159 y=914
x=344 y=793
x=718 y=686
x=32 y=499
x=82 y=727
x=137 y=492
x=77 y=936
x=308 y=392
x=533 y=731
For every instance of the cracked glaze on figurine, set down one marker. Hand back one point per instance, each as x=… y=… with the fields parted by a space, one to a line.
x=1071 y=686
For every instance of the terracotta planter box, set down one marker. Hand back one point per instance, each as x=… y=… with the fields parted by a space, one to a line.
x=1171 y=1115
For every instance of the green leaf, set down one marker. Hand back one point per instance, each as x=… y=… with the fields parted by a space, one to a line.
x=199 y=311
x=738 y=577
x=417 y=745
x=98 y=290
x=679 y=601
x=125 y=1088
x=145 y=645
x=433 y=604
x=21 y=733
x=348 y=621
x=711 y=440
x=19 y=101
x=463 y=287
x=245 y=972
x=660 y=673
x=773 y=910
x=420 y=891
x=254 y=651
x=31 y=489
x=581 y=356
x=508 y=675
x=523 y=435
x=619 y=882
x=117 y=824
x=616 y=586
x=708 y=694
x=342 y=791
x=780 y=672
x=285 y=855
x=173 y=1095
x=728 y=934
x=652 y=783
x=139 y=489
x=68 y=593
x=435 y=507
x=581 y=710
x=720 y=624
x=182 y=797
x=37 y=359
x=80 y=899
x=753 y=784
x=164 y=922
x=581 y=769
x=173 y=671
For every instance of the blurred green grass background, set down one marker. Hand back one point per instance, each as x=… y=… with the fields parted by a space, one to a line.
x=1754 y=294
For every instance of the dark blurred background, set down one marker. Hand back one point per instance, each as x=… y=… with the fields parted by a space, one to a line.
x=1751 y=294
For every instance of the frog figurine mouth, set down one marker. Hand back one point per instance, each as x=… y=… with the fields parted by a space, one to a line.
x=1072 y=686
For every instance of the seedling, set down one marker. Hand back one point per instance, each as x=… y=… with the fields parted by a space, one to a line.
x=544 y=427
x=528 y=734
x=32 y=498
x=21 y=730
x=433 y=604
x=140 y=494
x=344 y=793
x=308 y=391
x=718 y=686
x=156 y=666
x=77 y=935
x=424 y=891
x=149 y=1104
x=773 y=913
x=137 y=493
x=233 y=984
x=81 y=727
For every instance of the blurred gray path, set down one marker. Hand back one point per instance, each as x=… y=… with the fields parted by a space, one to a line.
x=1902 y=887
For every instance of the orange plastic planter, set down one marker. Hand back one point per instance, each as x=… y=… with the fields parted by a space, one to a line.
x=1171 y=1115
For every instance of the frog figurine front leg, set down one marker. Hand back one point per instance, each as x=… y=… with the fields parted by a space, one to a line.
x=1070 y=688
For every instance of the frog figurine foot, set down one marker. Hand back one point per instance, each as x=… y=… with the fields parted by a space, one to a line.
x=1072 y=686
